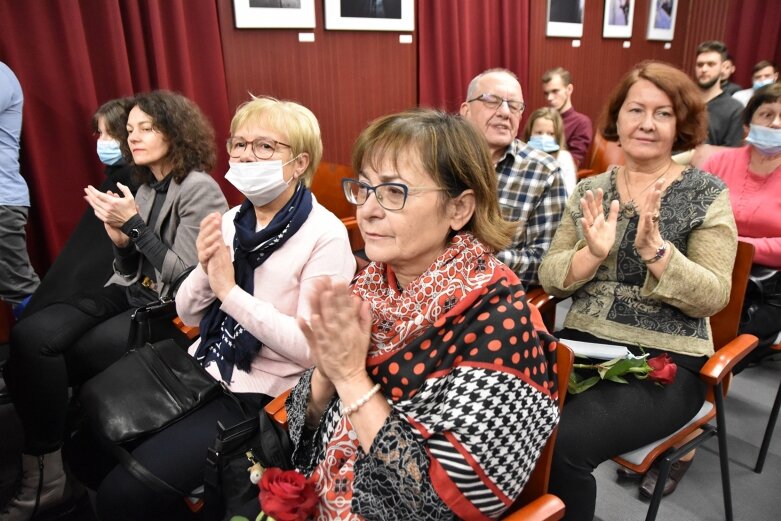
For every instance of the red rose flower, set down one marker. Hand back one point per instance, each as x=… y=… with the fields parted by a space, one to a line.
x=286 y=495
x=663 y=369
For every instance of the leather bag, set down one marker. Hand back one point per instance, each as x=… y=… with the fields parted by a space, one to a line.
x=145 y=390
x=227 y=487
x=154 y=322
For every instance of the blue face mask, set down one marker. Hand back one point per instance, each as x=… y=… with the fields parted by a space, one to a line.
x=761 y=83
x=543 y=142
x=765 y=139
x=109 y=152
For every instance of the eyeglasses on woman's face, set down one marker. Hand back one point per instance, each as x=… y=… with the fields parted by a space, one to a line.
x=262 y=148
x=391 y=196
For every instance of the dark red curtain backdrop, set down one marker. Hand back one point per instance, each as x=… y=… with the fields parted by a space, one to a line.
x=753 y=33
x=457 y=39
x=73 y=55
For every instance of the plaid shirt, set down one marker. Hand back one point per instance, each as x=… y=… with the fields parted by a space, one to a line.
x=531 y=191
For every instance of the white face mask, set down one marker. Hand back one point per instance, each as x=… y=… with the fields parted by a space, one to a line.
x=765 y=139
x=761 y=83
x=260 y=181
x=543 y=142
x=109 y=152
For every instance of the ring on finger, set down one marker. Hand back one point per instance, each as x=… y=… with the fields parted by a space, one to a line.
x=655 y=218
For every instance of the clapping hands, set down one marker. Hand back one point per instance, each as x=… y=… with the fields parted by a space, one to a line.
x=599 y=230
x=338 y=331
x=113 y=210
x=214 y=256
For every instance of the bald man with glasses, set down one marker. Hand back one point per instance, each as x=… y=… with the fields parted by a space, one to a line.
x=530 y=189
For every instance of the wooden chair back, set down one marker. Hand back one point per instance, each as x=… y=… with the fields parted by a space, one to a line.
x=601 y=155
x=327 y=187
x=726 y=322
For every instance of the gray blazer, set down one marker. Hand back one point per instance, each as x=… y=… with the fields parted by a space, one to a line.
x=185 y=205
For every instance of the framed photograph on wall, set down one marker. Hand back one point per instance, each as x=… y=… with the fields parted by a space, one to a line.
x=274 y=14
x=565 y=18
x=661 y=19
x=370 y=15
x=618 y=18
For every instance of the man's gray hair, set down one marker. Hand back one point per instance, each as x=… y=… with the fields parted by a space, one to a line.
x=471 y=91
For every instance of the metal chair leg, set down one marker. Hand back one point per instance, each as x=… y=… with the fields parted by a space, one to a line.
x=721 y=427
x=656 y=498
x=771 y=425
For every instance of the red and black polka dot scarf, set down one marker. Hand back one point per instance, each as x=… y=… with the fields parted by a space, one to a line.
x=465 y=360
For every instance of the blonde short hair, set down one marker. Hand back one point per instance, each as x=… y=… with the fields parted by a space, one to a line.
x=296 y=123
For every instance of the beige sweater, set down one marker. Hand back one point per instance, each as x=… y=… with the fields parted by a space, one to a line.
x=624 y=302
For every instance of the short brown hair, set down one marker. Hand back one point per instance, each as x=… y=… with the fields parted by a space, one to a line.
x=566 y=78
x=767 y=94
x=452 y=152
x=691 y=118
x=714 y=46
x=190 y=135
x=114 y=113
x=761 y=65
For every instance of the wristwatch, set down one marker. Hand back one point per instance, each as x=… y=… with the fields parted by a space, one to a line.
x=134 y=233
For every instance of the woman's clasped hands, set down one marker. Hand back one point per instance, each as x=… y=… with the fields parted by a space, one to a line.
x=337 y=332
x=214 y=256
x=113 y=210
x=649 y=239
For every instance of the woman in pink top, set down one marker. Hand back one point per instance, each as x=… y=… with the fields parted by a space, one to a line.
x=753 y=175
x=255 y=274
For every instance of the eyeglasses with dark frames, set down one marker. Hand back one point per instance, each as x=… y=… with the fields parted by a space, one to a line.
x=391 y=196
x=262 y=148
x=492 y=101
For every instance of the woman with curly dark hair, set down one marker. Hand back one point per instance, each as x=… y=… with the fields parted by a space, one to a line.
x=171 y=145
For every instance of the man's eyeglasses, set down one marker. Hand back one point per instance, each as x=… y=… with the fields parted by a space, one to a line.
x=493 y=101
x=262 y=148
x=391 y=196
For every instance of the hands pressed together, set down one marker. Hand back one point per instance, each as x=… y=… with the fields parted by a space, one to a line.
x=649 y=239
x=113 y=210
x=338 y=334
x=214 y=256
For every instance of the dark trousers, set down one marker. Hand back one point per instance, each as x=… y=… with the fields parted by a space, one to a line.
x=177 y=455
x=610 y=419
x=59 y=346
x=17 y=276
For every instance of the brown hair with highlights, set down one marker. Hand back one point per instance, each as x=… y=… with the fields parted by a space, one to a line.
x=452 y=152
x=691 y=117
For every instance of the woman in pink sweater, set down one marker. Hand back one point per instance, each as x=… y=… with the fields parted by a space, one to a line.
x=753 y=175
x=256 y=273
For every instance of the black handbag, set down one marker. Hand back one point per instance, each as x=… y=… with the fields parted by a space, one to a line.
x=145 y=390
x=154 y=322
x=228 y=490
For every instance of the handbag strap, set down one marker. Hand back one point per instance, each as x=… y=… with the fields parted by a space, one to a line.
x=174 y=286
x=141 y=473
